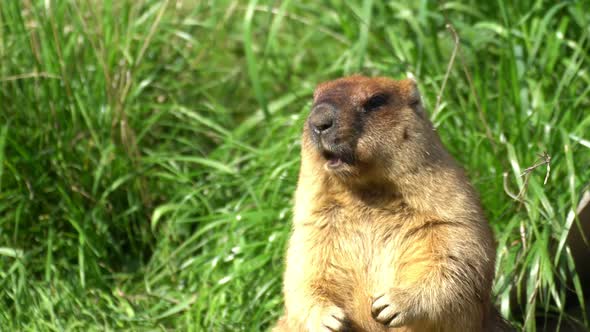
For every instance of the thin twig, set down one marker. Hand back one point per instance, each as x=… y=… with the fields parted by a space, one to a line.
x=525 y=186
x=507 y=190
x=457 y=52
x=449 y=67
x=544 y=159
x=482 y=117
x=517 y=198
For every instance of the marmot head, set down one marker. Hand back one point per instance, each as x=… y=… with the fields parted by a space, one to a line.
x=364 y=129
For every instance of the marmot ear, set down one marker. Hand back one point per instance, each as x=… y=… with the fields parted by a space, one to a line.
x=414 y=98
x=410 y=87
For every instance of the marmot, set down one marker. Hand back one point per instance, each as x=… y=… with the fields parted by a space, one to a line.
x=388 y=233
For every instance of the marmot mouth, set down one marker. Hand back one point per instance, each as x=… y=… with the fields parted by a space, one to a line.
x=336 y=160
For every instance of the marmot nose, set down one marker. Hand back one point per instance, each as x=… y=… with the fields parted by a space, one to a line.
x=322 y=118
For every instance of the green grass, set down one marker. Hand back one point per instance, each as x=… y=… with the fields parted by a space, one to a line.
x=149 y=149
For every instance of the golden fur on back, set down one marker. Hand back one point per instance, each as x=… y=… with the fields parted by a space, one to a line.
x=388 y=234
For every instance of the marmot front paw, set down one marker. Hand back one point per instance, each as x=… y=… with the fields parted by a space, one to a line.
x=389 y=312
x=332 y=319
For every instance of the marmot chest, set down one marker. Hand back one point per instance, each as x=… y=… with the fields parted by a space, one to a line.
x=355 y=242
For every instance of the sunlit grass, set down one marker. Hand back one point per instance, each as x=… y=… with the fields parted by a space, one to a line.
x=149 y=149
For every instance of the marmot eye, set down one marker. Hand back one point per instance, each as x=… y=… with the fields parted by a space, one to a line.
x=375 y=102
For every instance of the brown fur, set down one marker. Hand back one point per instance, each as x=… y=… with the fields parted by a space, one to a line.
x=397 y=231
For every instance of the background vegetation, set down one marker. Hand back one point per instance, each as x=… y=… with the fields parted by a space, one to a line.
x=149 y=149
